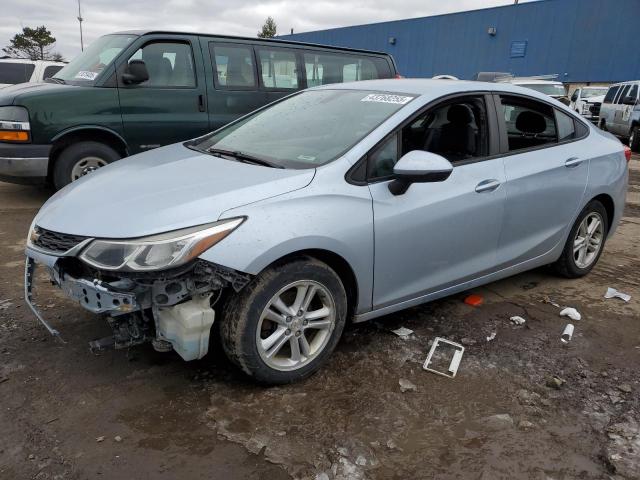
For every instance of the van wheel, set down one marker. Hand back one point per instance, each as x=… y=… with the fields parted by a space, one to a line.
x=603 y=125
x=284 y=325
x=79 y=159
x=585 y=242
x=634 y=139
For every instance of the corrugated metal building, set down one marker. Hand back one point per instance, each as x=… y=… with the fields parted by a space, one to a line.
x=580 y=40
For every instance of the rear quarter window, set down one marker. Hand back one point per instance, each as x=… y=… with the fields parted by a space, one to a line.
x=325 y=68
x=13 y=73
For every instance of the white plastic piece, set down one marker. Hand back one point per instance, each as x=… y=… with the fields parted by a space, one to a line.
x=572 y=313
x=491 y=337
x=403 y=332
x=455 y=361
x=518 y=320
x=187 y=326
x=567 y=333
x=612 y=292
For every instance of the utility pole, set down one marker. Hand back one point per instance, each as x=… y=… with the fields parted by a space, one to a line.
x=80 y=21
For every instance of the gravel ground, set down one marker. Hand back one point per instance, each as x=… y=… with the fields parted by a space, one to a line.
x=523 y=405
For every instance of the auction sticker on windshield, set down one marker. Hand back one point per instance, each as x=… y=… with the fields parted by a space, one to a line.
x=387 y=98
x=85 y=75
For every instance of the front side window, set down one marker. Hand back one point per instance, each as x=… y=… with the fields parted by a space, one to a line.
x=633 y=92
x=13 y=73
x=278 y=68
x=234 y=66
x=529 y=123
x=308 y=129
x=456 y=130
x=611 y=94
x=86 y=67
x=621 y=94
x=168 y=64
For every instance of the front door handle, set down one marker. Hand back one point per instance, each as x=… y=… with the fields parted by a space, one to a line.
x=487 y=185
x=573 y=162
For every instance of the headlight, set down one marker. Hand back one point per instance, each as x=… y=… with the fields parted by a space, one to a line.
x=586 y=107
x=14 y=124
x=157 y=252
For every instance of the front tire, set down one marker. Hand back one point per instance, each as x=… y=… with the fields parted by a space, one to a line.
x=585 y=242
x=634 y=139
x=79 y=159
x=283 y=326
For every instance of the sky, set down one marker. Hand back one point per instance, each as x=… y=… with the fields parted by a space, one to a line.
x=231 y=17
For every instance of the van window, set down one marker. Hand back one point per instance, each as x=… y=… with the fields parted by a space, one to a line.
x=608 y=98
x=234 y=66
x=13 y=73
x=566 y=126
x=622 y=93
x=529 y=123
x=51 y=70
x=321 y=69
x=633 y=93
x=169 y=64
x=278 y=69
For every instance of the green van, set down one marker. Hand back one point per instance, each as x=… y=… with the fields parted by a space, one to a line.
x=134 y=91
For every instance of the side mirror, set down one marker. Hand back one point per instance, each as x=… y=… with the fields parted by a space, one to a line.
x=419 y=166
x=574 y=97
x=136 y=72
x=629 y=100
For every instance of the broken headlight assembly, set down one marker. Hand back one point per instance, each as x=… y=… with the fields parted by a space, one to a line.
x=157 y=252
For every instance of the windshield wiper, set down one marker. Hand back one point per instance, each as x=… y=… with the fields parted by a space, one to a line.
x=244 y=157
x=55 y=80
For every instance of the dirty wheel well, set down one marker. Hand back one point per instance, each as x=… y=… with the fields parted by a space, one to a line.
x=94 y=135
x=339 y=265
x=607 y=202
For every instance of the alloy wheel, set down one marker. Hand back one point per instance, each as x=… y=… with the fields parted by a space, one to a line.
x=296 y=325
x=588 y=240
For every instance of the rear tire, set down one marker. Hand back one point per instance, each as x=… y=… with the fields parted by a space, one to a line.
x=260 y=338
x=583 y=248
x=634 y=139
x=603 y=125
x=81 y=158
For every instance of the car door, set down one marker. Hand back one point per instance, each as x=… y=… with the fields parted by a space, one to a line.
x=546 y=176
x=235 y=90
x=627 y=111
x=618 y=111
x=171 y=105
x=438 y=234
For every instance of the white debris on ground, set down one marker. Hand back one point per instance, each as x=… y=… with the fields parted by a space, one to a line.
x=572 y=313
x=4 y=304
x=491 y=337
x=613 y=293
x=403 y=332
x=567 y=333
x=406 y=385
x=517 y=320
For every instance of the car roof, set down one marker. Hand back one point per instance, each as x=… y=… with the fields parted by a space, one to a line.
x=253 y=39
x=432 y=88
x=26 y=60
x=628 y=82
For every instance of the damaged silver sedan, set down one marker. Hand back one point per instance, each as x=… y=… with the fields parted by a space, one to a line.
x=347 y=201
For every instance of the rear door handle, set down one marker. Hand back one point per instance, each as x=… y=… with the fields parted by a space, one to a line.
x=573 y=162
x=201 y=103
x=487 y=185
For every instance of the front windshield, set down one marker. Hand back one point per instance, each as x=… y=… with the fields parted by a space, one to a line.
x=551 y=89
x=86 y=67
x=593 y=92
x=308 y=129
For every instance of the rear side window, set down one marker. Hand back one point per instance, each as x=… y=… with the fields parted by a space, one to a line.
x=278 y=69
x=51 y=70
x=234 y=66
x=608 y=98
x=322 y=69
x=16 y=72
x=529 y=124
x=566 y=126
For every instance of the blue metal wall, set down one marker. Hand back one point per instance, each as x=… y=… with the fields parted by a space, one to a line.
x=581 y=40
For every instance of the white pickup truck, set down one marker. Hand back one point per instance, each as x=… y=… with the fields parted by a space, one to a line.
x=18 y=70
x=587 y=101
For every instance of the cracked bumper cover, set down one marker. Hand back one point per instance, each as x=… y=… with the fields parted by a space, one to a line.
x=179 y=301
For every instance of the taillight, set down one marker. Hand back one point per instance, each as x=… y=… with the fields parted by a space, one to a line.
x=627 y=153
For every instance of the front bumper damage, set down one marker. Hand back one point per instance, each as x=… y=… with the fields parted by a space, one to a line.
x=172 y=308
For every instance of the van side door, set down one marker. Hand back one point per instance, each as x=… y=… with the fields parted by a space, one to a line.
x=171 y=105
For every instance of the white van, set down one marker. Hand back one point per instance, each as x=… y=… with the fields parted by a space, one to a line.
x=587 y=101
x=18 y=70
x=620 y=112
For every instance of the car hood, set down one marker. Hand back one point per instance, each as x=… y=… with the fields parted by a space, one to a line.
x=162 y=190
x=598 y=99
